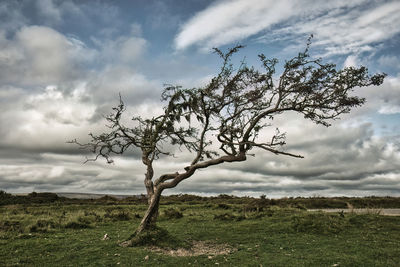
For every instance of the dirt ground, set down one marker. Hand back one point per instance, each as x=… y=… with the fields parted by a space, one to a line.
x=198 y=248
x=386 y=212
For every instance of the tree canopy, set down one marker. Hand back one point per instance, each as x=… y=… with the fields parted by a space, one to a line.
x=222 y=121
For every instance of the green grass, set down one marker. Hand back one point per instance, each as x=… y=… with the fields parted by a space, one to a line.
x=71 y=235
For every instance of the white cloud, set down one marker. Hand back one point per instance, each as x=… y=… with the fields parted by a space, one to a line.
x=56 y=171
x=353 y=30
x=351 y=61
x=125 y=49
x=383 y=99
x=40 y=55
x=131 y=49
x=54 y=88
x=339 y=160
x=134 y=87
x=46 y=120
x=341 y=27
x=389 y=109
x=52 y=105
x=228 y=21
x=47 y=9
x=52 y=91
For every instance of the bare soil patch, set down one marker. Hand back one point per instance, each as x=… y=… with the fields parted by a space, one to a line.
x=198 y=248
x=385 y=212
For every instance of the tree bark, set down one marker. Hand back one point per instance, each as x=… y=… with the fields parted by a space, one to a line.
x=150 y=217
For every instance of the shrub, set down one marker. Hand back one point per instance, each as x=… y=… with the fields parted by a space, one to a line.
x=228 y=217
x=253 y=207
x=76 y=225
x=223 y=206
x=107 y=199
x=299 y=206
x=319 y=223
x=6 y=198
x=117 y=215
x=42 y=197
x=122 y=216
x=84 y=220
x=92 y=216
x=150 y=237
x=11 y=226
x=172 y=213
x=42 y=226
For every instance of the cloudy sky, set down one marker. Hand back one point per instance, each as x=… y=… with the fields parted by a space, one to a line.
x=63 y=63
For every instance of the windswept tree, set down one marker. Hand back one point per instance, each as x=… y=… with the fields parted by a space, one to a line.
x=222 y=121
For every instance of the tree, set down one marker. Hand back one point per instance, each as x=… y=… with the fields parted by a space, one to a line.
x=220 y=122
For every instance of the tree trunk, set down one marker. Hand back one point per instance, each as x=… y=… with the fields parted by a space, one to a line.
x=150 y=217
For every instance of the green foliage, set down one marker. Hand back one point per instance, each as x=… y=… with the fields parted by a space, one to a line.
x=158 y=237
x=107 y=199
x=81 y=223
x=228 y=217
x=7 y=199
x=255 y=206
x=274 y=236
x=42 y=226
x=221 y=201
x=319 y=223
x=149 y=238
x=117 y=214
x=12 y=226
x=92 y=216
x=223 y=206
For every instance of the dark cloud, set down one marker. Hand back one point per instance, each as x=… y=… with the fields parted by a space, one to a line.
x=63 y=65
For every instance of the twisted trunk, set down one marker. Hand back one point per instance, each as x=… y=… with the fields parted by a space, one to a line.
x=154 y=190
x=150 y=217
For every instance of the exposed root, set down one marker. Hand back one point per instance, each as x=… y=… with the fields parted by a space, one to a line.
x=151 y=237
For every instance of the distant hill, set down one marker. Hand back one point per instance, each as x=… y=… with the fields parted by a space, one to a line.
x=376 y=202
x=90 y=195
x=82 y=195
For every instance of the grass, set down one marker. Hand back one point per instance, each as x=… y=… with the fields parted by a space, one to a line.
x=71 y=235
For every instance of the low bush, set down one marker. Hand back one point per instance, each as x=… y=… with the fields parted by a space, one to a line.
x=42 y=226
x=107 y=199
x=11 y=226
x=253 y=207
x=319 y=223
x=117 y=215
x=172 y=213
x=76 y=225
x=92 y=216
x=228 y=217
x=223 y=206
x=299 y=206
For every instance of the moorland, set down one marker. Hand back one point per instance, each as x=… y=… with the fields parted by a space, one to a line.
x=43 y=229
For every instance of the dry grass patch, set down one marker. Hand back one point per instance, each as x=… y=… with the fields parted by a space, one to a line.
x=198 y=248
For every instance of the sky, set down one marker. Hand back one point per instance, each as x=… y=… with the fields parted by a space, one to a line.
x=63 y=64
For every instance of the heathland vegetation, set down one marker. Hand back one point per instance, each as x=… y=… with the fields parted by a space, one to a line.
x=44 y=229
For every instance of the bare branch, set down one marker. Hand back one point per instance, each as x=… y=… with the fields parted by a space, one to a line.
x=222 y=121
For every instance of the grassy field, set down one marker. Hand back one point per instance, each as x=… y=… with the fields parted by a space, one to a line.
x=229 y=234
